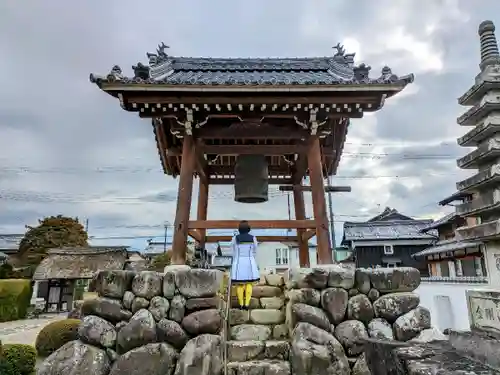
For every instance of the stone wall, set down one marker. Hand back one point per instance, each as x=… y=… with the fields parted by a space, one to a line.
x=332 y=310
x=147 y=323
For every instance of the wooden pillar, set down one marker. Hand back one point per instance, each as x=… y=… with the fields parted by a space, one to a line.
x=202 y=207
x=324 y=249
x=184 y=195
x=300 y=214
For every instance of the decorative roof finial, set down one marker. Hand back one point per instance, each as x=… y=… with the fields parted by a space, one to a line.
x=489 y=46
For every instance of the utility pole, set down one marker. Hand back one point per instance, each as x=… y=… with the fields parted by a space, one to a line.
x=87 y=226
x=166 y=224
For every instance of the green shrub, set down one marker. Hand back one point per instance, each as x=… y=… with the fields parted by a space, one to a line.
x=20 y=359
x=15 y=296
x=56 y=334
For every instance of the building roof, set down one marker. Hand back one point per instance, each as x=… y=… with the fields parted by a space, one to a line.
x=457 y=196
x=445 y=246
x=338 y=69
x=389 y=225
x=440 y=222
x=80 y=263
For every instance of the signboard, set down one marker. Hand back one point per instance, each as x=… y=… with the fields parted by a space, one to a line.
x=484 y=310
x=222 y=261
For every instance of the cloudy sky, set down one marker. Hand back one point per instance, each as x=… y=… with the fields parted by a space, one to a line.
x=67 y=148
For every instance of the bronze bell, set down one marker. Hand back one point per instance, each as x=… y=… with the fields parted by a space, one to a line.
x=251 y=179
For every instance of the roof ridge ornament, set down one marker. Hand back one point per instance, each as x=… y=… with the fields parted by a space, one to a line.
x=160 y=56
x=341 y=57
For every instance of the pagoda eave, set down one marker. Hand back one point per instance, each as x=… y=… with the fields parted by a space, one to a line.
x=477 y=92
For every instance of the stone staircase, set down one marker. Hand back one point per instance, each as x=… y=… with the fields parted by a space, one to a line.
x=257 y=339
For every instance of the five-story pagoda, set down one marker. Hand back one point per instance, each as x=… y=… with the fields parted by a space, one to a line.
x=251 y=122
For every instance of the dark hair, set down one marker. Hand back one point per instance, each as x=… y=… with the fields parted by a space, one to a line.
x=243 y=227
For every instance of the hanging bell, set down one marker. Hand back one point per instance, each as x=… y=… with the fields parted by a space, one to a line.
x=251 y=179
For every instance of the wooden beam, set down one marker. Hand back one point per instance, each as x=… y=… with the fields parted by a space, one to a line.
x=262 y=224
x=229 y=169
x=266 y=132
x=245 y=99
x=195 y=235
x=201 y=163
x=212 y=239
x=332 y=189
x=308 y=234
x=202 y=209
x=253 y=149
x=230 y=181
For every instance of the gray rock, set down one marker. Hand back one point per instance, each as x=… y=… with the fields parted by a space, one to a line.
x=203 y=321
x=196 y=283
x=309 y=296
x=76 y=358
x=275 y=279
x=272 y=302
x=201 y=356
x=120 y=325
x=277 y=350
x=177 y=308
x=238 y=316
x=360 y=308
x=172 y=333
x=361 y=367
x=139 y=331
x=193 y=304
x=430 y=335
x=246 y=332
x=373 y=294
x=310 y=314
x=409 y=325
x=128 y=298
x=341 y=276
x=159 y=308
x=112 y=355
x=353 y=292
x=267 y=316
x=334 y=302
x=315 y=278
x=147 y=284
x=264 y=366
x=390 y=280
x=169 y=284
x=315 y=351
x=106 y=308
x=362 y=280
x=280 y=332
x=97 y=331
x=151 y=359
x=380 y=328
x=113 y=284
x=260 y=291
x=139 y=303
x=392 y=306
x=241 y=351
x=351 y=334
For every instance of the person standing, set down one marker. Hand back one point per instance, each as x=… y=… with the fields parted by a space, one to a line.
x=244 y=270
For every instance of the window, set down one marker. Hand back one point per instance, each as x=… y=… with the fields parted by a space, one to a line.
x=388 y=250
x=282 y=256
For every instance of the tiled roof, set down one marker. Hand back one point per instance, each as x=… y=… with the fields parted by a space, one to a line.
x=447 y=245
x=442 y=221
x=169 y=70
x=386 y=230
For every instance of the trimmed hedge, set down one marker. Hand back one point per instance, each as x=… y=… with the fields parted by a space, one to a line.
x=15 y=296
x=18 y=359
x=56 y=334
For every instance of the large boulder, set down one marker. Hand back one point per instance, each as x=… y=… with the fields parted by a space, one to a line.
x=267 y=316
x=97 y=331
x=139 y=331
x=341 y=276
x=196 y=283
x=409 y=325
x=172 y=333
x=203 y=321
x=76 y=358
x=391 y=306
x=147 y=284
x=361 y=367
x=315 y=351
x=169 y=284
x=362 y=280
x=194 y=304
x=351 y=334
x=159 y=307
x=390 y=280
x=139 y=303
x=113 y=284
x=262 y=291
x=177 y=308
x=334 y=302
x=315 y=278
x=201 y=356
x=380 y=328
x=128 y=299
x=150 y=359
x=310 y=314
x=246 y=332
x=106 y=308
x=360 y=308
x=309 y=296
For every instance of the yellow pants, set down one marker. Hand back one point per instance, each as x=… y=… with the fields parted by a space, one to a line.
x=244 y=294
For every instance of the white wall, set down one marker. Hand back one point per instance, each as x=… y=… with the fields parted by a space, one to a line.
x=447 y=303
x=492 y=258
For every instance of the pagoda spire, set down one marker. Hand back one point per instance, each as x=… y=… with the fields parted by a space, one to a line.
x=489 y=46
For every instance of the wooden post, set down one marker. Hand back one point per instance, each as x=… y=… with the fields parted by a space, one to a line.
x=202 y=207
x=300 y=214
x=184 y=195
x=324 y=249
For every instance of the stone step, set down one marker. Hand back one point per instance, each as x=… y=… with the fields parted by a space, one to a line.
x=257 y=332
x=256 y=316
x=242 y=351
x=260 y=367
